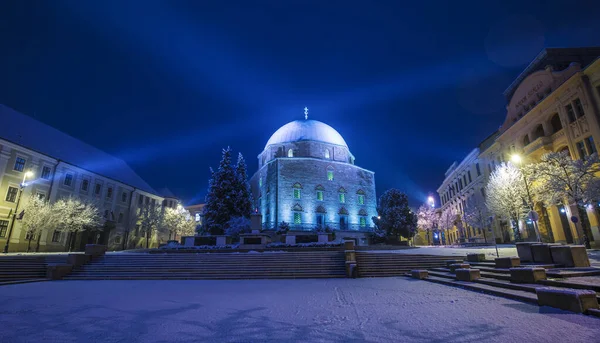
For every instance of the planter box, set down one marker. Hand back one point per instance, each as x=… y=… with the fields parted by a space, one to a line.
x=574 y=300
x=78 y=259
x=570 y=255
x=419 y=274
x=524 y=251
x=188 y=241
x=323 y=238
x=476 y=257
x=541 y=253
x=290 y=239
x=527 y=275
x=507 y=262
x=58 y=271
x=454 y=267
x=467 y=274
x=223 y=240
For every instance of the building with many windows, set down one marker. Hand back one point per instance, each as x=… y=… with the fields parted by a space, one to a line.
x=63 y=166
x=307 y=177
x=553 y=105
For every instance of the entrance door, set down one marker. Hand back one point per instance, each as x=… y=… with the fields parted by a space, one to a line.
x=565 y=224
x=343 y=223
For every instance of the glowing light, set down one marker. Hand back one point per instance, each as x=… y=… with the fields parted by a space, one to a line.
x=516 y=158
x=435 y=235
x=562 y=210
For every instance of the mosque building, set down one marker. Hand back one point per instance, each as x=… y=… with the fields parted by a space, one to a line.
x=307 y=177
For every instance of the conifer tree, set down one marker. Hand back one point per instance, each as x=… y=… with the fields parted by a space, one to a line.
x=221 y=200
x=243 y=194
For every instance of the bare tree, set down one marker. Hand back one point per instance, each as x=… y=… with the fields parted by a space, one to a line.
x=557 y=179
x=75 y=215
x=477 y=215
x=427 y=220
x=152 y=220
x=505 y=195
x=447 y=219
x=38 y=215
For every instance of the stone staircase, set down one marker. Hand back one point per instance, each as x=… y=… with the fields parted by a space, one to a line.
x=376 y=264
x=496 y=281
x=203 y=266
x=22 y=268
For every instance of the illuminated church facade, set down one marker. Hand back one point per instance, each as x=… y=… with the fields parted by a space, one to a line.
x=307 y=177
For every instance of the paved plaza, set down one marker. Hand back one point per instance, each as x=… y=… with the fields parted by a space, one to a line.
x=330 y=310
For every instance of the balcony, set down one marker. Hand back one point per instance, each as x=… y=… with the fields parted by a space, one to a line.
x=541 y=142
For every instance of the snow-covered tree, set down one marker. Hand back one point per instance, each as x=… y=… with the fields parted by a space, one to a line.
x=394 y=215
x=221 y=198
x=447 y=219
x=477 y=215
x=38 y=215
x=557 y=179
x=237 y=226
x=178 y=221
x=74 y=215
x=506 y=195
x=152 y=220
x=427 y=220
x=243 y=195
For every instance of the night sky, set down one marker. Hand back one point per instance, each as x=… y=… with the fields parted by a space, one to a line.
x=411 y=87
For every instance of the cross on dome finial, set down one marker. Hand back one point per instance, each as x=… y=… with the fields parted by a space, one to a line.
x=305 y=112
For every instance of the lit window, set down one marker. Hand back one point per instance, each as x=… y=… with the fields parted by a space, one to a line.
x=197 y=217
x=330 y=175
x=320 y=195
x=260 y=182
x=19 y=164
x=290 y=153
x=11 y=195
x=363 y=222
x=342 y=198
x=361 y=199
x=46 y=173
x=326 y=153
x=297 y=218
x=85 y=185
x=68 y=179
x=296 y=193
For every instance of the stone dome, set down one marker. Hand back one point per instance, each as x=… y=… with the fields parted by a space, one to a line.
x=306 y=130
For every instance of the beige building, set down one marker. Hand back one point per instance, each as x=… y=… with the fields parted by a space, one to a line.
x=64 y=166
x=552 y=106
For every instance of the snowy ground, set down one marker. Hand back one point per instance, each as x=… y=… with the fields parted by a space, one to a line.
x=333 y=310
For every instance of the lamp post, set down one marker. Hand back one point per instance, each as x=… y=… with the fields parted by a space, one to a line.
x=14 y=218
x=516 y=159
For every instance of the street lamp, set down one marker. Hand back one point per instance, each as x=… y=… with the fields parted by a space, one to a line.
x=27 y=174
x=516 y=159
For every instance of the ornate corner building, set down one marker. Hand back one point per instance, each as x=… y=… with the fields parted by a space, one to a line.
x=307 y=177
x=553 y=105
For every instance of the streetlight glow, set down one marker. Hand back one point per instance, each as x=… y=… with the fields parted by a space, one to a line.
x=516 y=158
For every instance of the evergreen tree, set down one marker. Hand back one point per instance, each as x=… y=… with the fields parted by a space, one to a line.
x=394 y=216
x=221 y=199
x=243 y=200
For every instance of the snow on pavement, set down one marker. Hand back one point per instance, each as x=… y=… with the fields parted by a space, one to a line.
x=490 y=251
x=329 y=310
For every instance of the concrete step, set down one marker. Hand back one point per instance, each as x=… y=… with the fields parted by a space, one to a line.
x=13 y=282
x=220 y=277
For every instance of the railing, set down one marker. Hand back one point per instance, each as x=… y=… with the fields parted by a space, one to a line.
x=536 y=144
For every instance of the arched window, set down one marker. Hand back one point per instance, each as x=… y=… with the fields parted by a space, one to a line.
x=290 y=153
x=539 y=132
x=297 y=187
x=526 y=140
x=330 y=173
x=361 y=197
x=327 y=153
x=297 y=214
x=342 y=192
x=556 y=124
